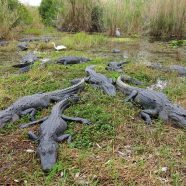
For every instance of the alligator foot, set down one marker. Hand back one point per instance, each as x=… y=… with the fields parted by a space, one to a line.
x=146 y=117
x=31 y=111
x=32 y=136
x=33 y=123
x=63 y=137
x=131 y=96
x=81 y=120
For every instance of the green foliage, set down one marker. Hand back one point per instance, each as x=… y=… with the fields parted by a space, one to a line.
x=49 y=10
x=177 y=43
x=97 y=19
x=12 y=14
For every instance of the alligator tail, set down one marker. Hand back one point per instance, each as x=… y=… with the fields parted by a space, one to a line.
x=70 y=90
x=122 y=86
x=64 y=104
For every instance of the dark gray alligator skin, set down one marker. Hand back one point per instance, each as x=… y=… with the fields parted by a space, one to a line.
x=154 y=104
x=70 y=60
x=115 y=66
x=51 y=132
x=30 y=104
x=100 y=81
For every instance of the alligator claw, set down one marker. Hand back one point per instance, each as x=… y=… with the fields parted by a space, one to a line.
x=86 y=122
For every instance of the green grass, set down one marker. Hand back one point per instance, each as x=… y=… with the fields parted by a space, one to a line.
x=118 y=149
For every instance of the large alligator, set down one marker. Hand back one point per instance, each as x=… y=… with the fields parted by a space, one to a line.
x=115 y=66
x=30 y=104
x=70 y=60
x=154 y=104
x=52 y=131
x=181 y=70
x=100 y=81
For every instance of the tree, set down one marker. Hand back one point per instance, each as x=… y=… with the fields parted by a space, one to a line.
x=49 y=11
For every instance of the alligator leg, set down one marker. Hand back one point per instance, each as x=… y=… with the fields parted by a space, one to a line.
x=163 y=116
x=131 y=96
x=81 y=120
x=31 y=111
x=32 y=136
x=147 y=114
x=146 y=117
x=63 y=137
x=33 y=123
x=55 y=98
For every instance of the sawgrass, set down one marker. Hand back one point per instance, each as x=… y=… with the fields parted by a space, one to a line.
x=118 y=149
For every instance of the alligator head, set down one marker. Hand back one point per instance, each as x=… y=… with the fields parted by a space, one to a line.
x=5 y=116
x=47 y=151
x=178 y=116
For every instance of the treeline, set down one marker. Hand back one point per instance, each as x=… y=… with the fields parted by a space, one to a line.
x=159 y=18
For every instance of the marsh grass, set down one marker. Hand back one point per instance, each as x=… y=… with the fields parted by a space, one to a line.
x=155 y=17
x=7 y=20
x=118 y=149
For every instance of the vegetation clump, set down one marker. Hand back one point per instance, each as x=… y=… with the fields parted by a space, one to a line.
x=12 y=15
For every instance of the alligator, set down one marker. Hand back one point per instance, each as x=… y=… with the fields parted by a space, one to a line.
x=115 y=66
x=23 y=46
x=100 y=81
x=181 y=70
x=31 y=103
x=70 y=60
x=52 y=131
x=131 y=80
x=26 y=62
x=154 y=104
x=116 y=51
x=32 y=39
x=3 y=43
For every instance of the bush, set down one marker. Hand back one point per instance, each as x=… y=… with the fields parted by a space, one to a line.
x=49 y=10
x=97 y=19
x=12 y=14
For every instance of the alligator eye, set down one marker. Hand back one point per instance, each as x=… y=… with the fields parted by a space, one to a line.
x=50 y=152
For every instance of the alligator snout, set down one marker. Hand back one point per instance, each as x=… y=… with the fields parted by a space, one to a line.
x=48 y=155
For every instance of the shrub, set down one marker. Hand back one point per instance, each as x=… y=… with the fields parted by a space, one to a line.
x=12 y=14
x=49 y=10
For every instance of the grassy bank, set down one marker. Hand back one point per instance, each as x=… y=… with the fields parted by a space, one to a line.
x=118 y=149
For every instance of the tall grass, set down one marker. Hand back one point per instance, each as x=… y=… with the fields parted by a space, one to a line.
x=76 y=15
x=8 y=19
x=167 y=18
x=154 y=17
x=13 y=15
x=125 y=14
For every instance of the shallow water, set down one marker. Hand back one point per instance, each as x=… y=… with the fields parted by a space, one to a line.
x=137 y=50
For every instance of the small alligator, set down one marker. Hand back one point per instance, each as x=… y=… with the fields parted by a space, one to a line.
x=31 y=39
x=26 y=62
x=52 y=131
x=29 y=104
x=116 y=51
x=70 y=60
x=154 y=104
x=3 y=43
x=181 y=70
x=100 y=81
x=115 y=66
x=23 y=46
